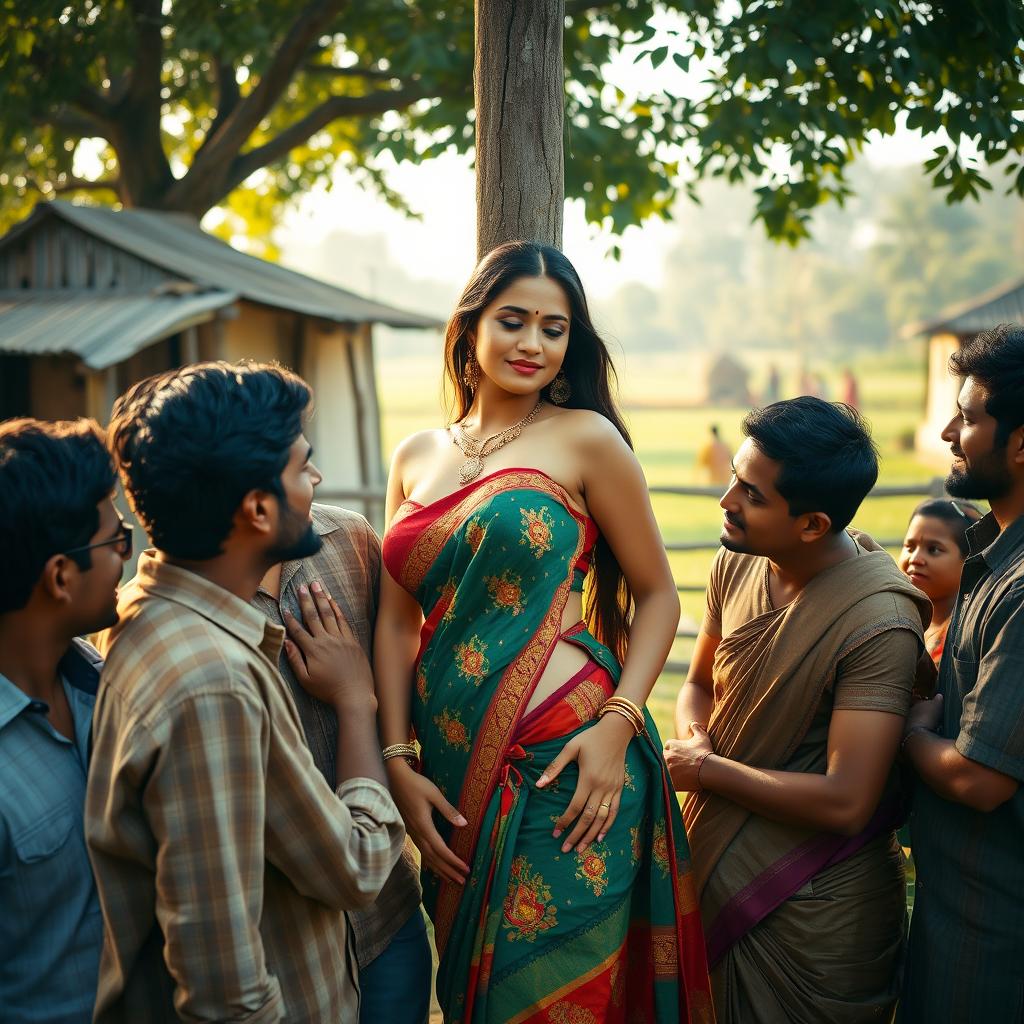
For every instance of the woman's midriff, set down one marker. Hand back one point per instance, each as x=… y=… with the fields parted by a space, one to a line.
x=566 y=659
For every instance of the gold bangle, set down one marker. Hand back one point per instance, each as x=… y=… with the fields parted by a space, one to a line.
x=627 y=709
x=406 y=750
x=626 y=702
x=616 y=709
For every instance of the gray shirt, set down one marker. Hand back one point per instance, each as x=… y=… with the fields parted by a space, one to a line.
x=348 y=565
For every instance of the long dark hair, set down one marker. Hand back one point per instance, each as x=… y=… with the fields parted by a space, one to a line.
x=591 y=375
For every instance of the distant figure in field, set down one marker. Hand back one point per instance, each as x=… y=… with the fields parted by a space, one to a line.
x=851 y=391
x=773 y=389
x=808 y=382
x=714 y=460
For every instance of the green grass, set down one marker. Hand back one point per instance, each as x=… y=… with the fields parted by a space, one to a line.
x=660 y=393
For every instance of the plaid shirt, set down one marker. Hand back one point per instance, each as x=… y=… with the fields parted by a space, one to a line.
x=223 y=859
x=348 y=565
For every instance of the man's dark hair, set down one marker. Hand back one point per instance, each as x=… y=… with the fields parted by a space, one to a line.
x=53 y=475
x=995 y=359
x=828 y=460
x=192 y=442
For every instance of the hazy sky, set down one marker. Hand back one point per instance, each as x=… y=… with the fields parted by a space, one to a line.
x=441 y=246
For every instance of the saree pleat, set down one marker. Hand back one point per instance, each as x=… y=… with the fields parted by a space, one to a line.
x=536 y=935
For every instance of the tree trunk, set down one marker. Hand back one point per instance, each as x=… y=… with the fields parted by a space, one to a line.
x=519 y=83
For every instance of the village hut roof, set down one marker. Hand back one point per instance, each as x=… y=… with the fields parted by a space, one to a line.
x=176 y=275
x=1000 y=305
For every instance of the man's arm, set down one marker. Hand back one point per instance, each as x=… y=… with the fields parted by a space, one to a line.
x=984 y=765
x=696 y=697
x=205 y=804
x=862 y=745
x=861 y=748
x=954 y=777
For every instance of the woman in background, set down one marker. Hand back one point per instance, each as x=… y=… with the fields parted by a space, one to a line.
x=557 y=870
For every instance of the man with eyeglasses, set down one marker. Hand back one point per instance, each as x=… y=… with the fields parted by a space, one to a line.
x=62 y=549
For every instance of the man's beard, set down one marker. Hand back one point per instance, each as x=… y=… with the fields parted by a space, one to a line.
x=986 y=478
x=296 y=538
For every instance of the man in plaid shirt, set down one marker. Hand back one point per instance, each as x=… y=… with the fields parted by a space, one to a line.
x=223 y=859
x=389 y=937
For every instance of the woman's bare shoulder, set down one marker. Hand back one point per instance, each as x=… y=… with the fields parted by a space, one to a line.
x=586 y=427
x=423 y=443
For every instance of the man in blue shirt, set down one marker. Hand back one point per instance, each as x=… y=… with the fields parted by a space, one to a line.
x=62 y=548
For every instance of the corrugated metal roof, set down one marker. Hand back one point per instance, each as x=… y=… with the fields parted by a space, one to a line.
x=102 y=329
x=179 y=245
x=1003 y=304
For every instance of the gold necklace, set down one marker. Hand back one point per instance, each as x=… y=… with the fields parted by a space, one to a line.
x=476 y=450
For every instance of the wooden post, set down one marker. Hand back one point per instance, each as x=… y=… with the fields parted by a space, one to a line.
x=518 y=79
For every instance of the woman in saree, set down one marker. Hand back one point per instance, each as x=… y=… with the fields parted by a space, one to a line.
x=521 y=555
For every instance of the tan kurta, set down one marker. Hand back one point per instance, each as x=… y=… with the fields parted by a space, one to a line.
x=851 y=640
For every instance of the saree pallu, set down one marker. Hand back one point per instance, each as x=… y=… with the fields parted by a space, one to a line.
x=612 y=934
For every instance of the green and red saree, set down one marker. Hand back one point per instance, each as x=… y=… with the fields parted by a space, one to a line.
x=614 y=934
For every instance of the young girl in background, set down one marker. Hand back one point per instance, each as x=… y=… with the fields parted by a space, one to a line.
x=933 y=555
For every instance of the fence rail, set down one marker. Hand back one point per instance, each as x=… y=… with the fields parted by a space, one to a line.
x=370 y=502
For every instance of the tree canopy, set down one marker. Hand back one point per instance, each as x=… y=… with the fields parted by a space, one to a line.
x=185 y=105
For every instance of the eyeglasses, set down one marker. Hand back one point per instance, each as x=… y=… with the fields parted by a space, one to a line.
x=123 y=540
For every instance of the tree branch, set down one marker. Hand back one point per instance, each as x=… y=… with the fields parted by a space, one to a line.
x=575 y=7
x=223 y=145
x=228 y=96
x=72 y=123
x=370 y=105
x=149 y=47
x=73 y=184
x=92 y=105
x=328 y=70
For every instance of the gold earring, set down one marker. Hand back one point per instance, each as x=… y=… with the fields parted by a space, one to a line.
x=560 y=390
x=471 y=373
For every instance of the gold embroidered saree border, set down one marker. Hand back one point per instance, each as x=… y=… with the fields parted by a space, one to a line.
x=433 y=539
x=506 y=709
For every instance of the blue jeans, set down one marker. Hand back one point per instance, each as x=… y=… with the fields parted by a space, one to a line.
x=396 y=985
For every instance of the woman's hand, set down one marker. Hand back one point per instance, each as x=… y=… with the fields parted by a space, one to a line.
x=417 y=797
x=600 y=752
x=683 y=758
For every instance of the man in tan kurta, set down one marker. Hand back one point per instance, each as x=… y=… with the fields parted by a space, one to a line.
x=790 y=718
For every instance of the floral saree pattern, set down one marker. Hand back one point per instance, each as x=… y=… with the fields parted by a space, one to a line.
x=535 y=935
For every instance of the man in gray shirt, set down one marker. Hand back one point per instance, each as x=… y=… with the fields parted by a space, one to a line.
x=967 y=744
x=390 y=938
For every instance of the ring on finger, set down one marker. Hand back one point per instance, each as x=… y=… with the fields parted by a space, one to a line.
x=605 y=810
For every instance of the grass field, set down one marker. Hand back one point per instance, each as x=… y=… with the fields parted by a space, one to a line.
x=660 y=393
